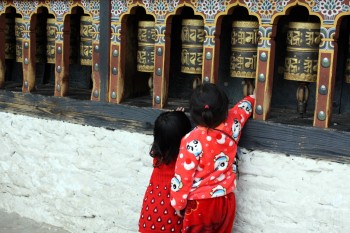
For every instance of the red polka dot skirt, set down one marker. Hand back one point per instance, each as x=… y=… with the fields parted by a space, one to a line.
x=157 y=215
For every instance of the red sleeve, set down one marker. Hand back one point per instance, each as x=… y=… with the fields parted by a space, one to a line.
x=239 y=114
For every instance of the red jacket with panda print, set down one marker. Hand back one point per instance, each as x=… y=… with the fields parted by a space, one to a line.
x=205 y=167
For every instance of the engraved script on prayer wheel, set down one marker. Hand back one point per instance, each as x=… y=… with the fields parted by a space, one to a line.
x=302 y=51
x=244 y=42
x=192 y=37
x=51 y=31
x=85 y=41
x=19 y=28
x=10 y=38
x=145 y=53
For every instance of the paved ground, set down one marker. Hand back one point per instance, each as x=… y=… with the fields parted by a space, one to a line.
x=13 y=223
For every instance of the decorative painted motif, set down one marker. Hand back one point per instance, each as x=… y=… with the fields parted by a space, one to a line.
x=327 y=33
x=210 y=8
x=328 y=8
x=209 y=32
x=60 y=27
x=115 y=34
x=160 y=29
x=95 y=31
x=265 y=33
x=60 y=7
x=26 y=7
x=118 y=7
x=93 y=7
x=266 y=8
x=161 y=7
x=2 y=5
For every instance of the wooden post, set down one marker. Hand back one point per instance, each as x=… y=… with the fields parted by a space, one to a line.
x=161 y=67
x=122 y=61
x=326 y=76
x=62 y=59
x=264 y=74
x=103 y=48
x=96 y=79
x=208 y=63
x=29 y=51
x=114 y=90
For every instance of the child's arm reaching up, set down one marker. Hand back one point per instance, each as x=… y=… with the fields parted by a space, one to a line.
x=239 y=115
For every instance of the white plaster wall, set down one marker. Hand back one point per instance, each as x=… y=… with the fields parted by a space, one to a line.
x=88 y=179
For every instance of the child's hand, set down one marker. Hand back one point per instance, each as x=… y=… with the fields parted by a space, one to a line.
x=254 y=94
x=180 y=109
x=178 y=213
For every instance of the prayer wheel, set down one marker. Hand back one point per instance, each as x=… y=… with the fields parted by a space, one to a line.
x=85 y=41
x=301 y=61
x=244 y=41
x=145 y=54
x=244 y=47
x=192 y=37
x=51 y=31
x=347 y=69
x=19 y=28
x=10 y=38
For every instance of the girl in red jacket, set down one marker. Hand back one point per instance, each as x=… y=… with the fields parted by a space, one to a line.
x=157 y=215
x=205 y=171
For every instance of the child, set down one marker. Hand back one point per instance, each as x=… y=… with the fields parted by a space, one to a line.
x=205 y=171
x=157 y=215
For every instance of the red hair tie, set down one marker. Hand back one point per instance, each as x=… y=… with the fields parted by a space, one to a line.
x=206 y=106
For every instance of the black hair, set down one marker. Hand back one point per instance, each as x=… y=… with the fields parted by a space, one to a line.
x=169 y=128
x=208 y=105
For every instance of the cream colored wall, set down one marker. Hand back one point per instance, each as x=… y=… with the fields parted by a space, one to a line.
x=88 y=179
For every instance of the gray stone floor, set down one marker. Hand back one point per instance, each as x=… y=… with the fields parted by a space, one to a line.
x=13 y=223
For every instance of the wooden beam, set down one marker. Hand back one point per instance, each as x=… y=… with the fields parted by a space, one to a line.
x=304 y=141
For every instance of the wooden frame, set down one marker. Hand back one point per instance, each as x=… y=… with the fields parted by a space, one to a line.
x=108 y=67
x=301 y=141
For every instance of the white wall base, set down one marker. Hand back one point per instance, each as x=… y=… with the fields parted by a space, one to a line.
x=88 y=179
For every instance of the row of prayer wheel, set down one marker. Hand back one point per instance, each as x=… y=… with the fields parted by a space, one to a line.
x=301 y=63
x=45 y=43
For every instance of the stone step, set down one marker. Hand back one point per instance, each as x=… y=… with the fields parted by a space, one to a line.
x=14 y=223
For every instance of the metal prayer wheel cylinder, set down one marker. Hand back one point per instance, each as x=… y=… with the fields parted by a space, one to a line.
x=244 y=46
x=10 y=38
x=51 y=31
x=146 y=37
x=192 y=37
x=19 y=28
x=85 y=41
x=301 y=59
